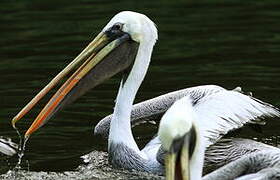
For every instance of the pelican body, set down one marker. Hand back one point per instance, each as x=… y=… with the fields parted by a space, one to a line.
x=125 y=45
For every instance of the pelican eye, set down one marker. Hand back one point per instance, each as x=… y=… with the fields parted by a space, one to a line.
x=117 y=26
x=115 y=31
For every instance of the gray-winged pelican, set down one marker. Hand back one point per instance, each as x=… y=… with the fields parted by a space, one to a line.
x=182 y=134
x=125 y=45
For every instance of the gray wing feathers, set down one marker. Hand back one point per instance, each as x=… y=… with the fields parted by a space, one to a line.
x=264 y=174
x=225 y=151
x=264 y=163
x=152 y=109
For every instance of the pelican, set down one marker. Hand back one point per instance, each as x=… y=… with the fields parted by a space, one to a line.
x=181 y=132
x=125 y=45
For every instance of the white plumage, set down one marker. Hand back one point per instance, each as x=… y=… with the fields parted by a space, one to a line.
x=217 y=110
x=212 y=117
x=177 y=120
x=226 y=110
x=175 y=123
x=213 y=108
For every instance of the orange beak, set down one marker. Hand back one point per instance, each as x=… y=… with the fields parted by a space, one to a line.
x=98 y=62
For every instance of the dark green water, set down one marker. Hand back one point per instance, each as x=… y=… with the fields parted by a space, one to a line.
x=228 y=43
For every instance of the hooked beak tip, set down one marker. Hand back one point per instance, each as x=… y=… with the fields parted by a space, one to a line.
x=14 y=120
x=26 y=136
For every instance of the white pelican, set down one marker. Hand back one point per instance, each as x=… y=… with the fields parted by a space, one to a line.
x=125 y=45
x=182 y=133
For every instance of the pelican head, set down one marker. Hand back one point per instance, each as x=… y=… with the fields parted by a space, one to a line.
x=138 y=26
x=115 y=49
x=179 y=136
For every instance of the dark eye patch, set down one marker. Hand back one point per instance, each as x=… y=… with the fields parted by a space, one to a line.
x=115 y=31
x=117 y=26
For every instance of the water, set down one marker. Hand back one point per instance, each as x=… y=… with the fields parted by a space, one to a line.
x=231 y=43
x=21 y=150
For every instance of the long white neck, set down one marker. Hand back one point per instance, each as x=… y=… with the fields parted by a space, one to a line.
x=120 y=127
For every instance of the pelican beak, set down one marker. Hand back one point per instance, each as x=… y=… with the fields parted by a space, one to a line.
x=177 y=159
x=110 y=52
